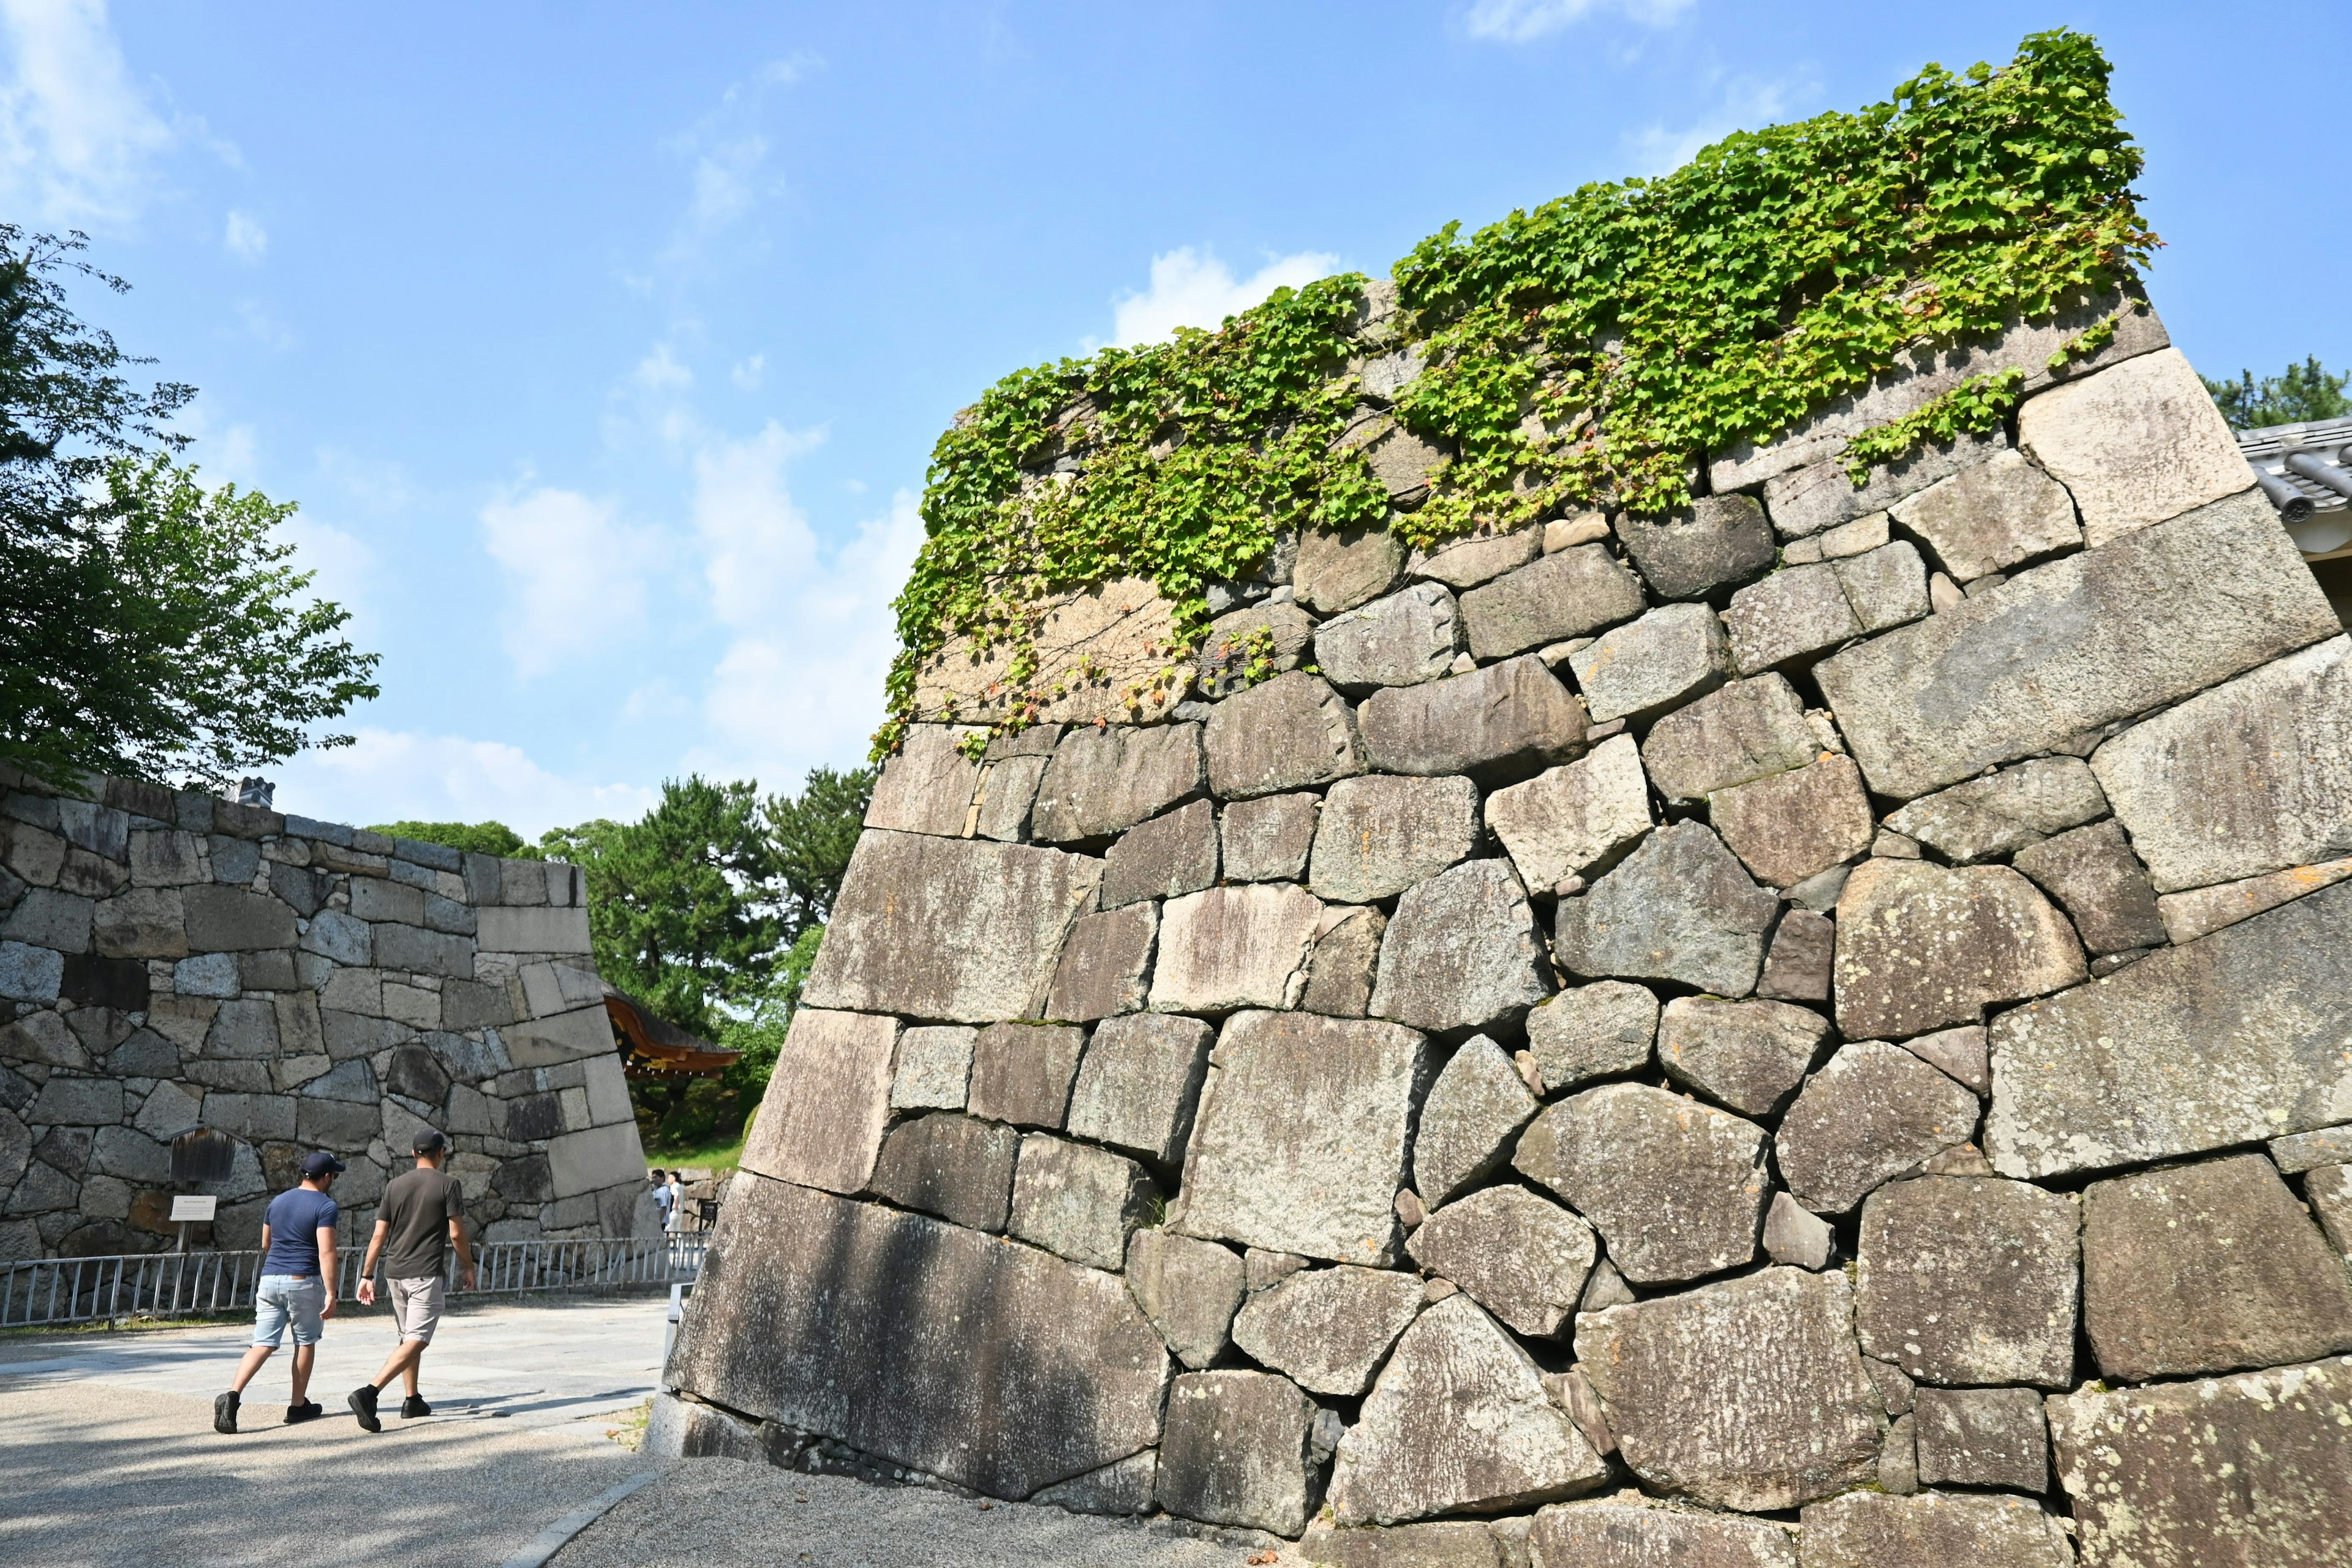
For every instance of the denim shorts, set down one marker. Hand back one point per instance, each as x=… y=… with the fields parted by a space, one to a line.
x=282 y=1299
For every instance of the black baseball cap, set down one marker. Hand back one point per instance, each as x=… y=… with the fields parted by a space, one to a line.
x=319 y=1163
x=428 y=1140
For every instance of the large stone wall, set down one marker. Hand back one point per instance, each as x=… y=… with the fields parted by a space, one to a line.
x=172 y=962
x=1823 y=1016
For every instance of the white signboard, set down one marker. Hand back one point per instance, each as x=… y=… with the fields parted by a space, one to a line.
x=185 y=1208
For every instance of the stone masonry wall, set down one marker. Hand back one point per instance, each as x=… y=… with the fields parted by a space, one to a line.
x=169 y=962
x=1811 y=1030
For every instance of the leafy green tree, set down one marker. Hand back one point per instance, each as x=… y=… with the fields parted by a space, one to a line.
x=148 y=626
x=814 y=833
x=2306 y=391
x=475 y=837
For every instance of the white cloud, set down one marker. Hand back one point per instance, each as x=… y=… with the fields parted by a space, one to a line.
x=576 y=575
x=246 y=238
x=660 y=372
x=78 y=141
x=1524 y=21
x=757 y=540
x=748 y=373
x=730 y=174
x=1746 y=105
x=1192 y=288
x=394 y=776
x=264 y=328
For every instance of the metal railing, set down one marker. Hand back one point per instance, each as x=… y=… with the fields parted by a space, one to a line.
x=62 y=1290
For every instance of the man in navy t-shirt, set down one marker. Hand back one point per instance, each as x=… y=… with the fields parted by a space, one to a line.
x=297 y=1287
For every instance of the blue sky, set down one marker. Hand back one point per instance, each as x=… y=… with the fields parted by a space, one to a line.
x=604 y=345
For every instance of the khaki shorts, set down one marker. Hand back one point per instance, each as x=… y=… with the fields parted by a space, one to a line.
x=417 y=1306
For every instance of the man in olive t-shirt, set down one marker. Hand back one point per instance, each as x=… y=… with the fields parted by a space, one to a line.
x=423 y=1214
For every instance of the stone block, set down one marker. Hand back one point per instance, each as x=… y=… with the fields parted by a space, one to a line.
x=163 y=858
x=1188 y=1289
x=681 y=1429
x=1106 y=965
x=1747 y=729
x=1474 y=1110
x=1521 y=1256
x=1453 y=1543
x=1077 y=1201
x=1575 y=820
x=991 y=917
x=1459 y=1422
x=1673 y=654
x=1233 y=947
x=245 y=1029
x=1886 y=586
x=1749 y=1056
x=1922 y=947
x=1268 y=839
x=1249 y=644
x=1340 y=569
x=1795 y=1235
x=1340 y=976
x=1819 y=497
x=857 y=1323
x=2308 y=1150
x=1715 y=543
x=2160 y=614
x=828 y=1100
x=1675 y=1188
x=1123 y=1489
x=1237 y=1450
x=1104 y=781
x=1969 y=1281
x=2235 y=1471
x=1680 y=907
x=1008 y=793
x=1496 y=724
x=2100 y=883
x=1328 y=1330
x=528 y=931
x=235 y=919
x=1094 y=643
x=325 y=1123
x=2329 y=1190
x=1798 y=824
x=1289 y=733
x=1263 y=1169
x=1990 y=517
x=1788 y=615
x=1798 y=966
x=29 y=973
x=1165 y=858
x=2187 y=916
x=2134 y=445
x=1480 y=558
x=78 y=1101
x=339 y=938
x=1934 y=1530
x=144 y=923
x=2091 y=1079
x=1983 y=1437
x=2004 y=811
x=1873 y=1112
x=1380 y=835
x=589 y=1163
x=381 y=898
x=2208 y=1267
x=1601 y=1030
x=47 y=917
x=956 y=1167
x=1139 y=1083
x=1463 y=951
x=1574 y=593
x=1629 y=1532
x=1022 y=1073
x=417 y=950
x=1402 y=640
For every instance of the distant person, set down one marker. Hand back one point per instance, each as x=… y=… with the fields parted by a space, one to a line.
x=674 y=1212
x=422 y=1217
x=296 y=1286
x=662 y=1198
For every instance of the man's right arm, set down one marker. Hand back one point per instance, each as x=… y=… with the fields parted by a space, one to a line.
x=367 y=1266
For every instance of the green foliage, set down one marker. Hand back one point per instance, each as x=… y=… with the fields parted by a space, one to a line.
x=2306 y=391
x=811 y=836
x=1977 y=405
x=473 y=837
x=1594 y=349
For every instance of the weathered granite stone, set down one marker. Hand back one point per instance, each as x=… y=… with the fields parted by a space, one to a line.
x=1264 y=1269
x=1328 y=1329
x=1679 y=907
x=1300 y=1142
x=1934 y=1530
x=1798 y=966
x=1478 y=1104
x=1008 y=793
x=927 y=787
x=2134 y=445
x=1104 y=780
x=1106 y=965
x=1233 y=646
x=858 y=1321
x=1268 y=839
x=2059 y=650
x=1576 y=820
x=1794 y=1235
x=1788 y=615
x=1746 y=1395
x=1337 y=570
x=1498 y=723
x=1237 y=1452
x=2208 y=1267
x=1122 y=1489
x=1405 y=638
x=1459 y=1422
x=1380 y=835
x=1990 y=517
x=2308 y=1151
x=990 y=916
x=1188 y=1289
x=2328 y=1189
x=1675 y=1188
x=1165 y=858
x=1453 y=1543
x=2236 y=1472
x=2004 y=811
x=1820 y=497
x=1795 y=824
x=1628 y=1533
x=1233 y=947
x=1462 y=952
x=1020 y=1073
x=1466 y=562
x=1873 y=1112
x=2092 y=1079
x=680 y=1429
x=1886 y=586
x=956 y=1167
x=1747 y=730
x=1290 y=732
x=1712 y=543
x=828 y=1100
x=1346 y=953
x=2101 y=884
x=1139 y=1083
x=1673 y=654
x=1749 y=1056
x=1921 y=947
x=1078 y=1201
x=1573 y=593
x=1522 y=1258
x=2200 y=910
x=236 y=919
x=1983 y=1437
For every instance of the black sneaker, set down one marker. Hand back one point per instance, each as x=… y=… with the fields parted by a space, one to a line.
x=363 y=1404
x=224 y=1413
x=414 y=1405
x=309 y=1410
